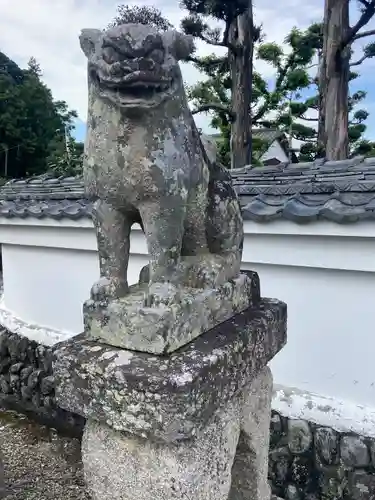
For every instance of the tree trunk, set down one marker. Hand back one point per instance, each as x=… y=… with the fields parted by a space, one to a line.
x=334 y=82
x=240 y=38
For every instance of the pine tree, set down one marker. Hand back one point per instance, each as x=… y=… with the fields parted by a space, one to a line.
x=338 y=39
x=237 y=37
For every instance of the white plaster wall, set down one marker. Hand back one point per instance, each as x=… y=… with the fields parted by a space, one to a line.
x=330 y=347
x=275 y=151
x=324 y=271
x=47 y=286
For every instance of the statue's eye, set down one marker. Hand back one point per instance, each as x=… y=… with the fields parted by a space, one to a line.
x=157 y=55
x=110 y=55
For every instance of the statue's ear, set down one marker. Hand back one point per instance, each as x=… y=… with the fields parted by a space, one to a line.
x=88 y=39
x=180 y=45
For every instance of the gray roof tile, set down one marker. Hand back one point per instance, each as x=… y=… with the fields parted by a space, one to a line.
x=342 y=192
x=339 y=191
x=43 y=197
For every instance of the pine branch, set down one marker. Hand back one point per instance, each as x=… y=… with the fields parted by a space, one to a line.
x=210 y=63
x=308 y=119
x=364 y=34
x=214 y=106
x=360 y=61
x=353 y=34
x=211 y=42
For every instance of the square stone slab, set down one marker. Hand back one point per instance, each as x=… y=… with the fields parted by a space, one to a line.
x=169 y=397
x=162 y=328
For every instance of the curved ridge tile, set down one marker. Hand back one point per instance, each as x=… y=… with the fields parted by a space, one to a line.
x=259 y=211
x=336 y=211
x=296 y=211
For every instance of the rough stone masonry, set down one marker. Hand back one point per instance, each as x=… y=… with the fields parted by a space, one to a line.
x=171 y=374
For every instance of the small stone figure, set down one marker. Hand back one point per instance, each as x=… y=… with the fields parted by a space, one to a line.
x=144 y=159
x=145 y=163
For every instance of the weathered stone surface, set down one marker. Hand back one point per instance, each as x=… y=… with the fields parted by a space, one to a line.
x=354 y=451
x=163 y=328
x=226 y=461
x=145 y=163
x=119 y=467
x=334 y=482
x=362 y=486
x=47 y=385
x=26 y=381
x=249 y=470
x=319 y=472
x=300 y=470
x=372 y=451
x=299 y=436
x=169 y=397
x=292 y=492
x=276 y=428
x=279 y=461
x=326 y=445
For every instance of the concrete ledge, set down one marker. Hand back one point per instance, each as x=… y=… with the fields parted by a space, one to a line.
x=343 y=416
x=321 y=447
x=40 y=334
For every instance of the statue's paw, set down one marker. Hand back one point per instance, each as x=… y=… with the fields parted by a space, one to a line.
x=162 y=294
x=105 y=289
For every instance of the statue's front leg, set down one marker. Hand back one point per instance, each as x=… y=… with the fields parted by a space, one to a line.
x=113 y=236
x=163 y=222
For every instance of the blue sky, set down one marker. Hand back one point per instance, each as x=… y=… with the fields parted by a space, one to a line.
x=49 y=32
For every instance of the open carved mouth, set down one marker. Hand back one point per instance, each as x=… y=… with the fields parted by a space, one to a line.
x=136 y=85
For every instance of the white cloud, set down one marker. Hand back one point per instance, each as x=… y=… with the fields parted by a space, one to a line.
x=48 y=30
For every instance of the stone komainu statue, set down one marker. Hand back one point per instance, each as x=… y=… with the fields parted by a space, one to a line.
x=145 y=163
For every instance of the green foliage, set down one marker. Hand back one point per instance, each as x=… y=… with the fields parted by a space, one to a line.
x=279 y=105
x=292 y=76
x=223 y=10
x=127 y=14
x=31 y=122
x=364 y=147
x=66 y=161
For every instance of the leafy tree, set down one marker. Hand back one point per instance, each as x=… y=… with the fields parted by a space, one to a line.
x=292 y=75
x=365 y=148
x=279 y=105
x=334 y=77
x=66 y=160
x=127 y=14
x=30 y=120
x=238 y=37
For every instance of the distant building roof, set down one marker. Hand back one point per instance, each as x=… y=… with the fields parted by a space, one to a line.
x=268 y=136
x=342 y=192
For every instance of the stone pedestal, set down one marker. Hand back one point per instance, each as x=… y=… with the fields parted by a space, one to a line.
x=163 y=328
x=228 y=460
x=190 y=425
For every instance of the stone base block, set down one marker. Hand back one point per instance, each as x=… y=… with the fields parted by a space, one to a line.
x=171 y=397
x=180 y=316
x=228 y=460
